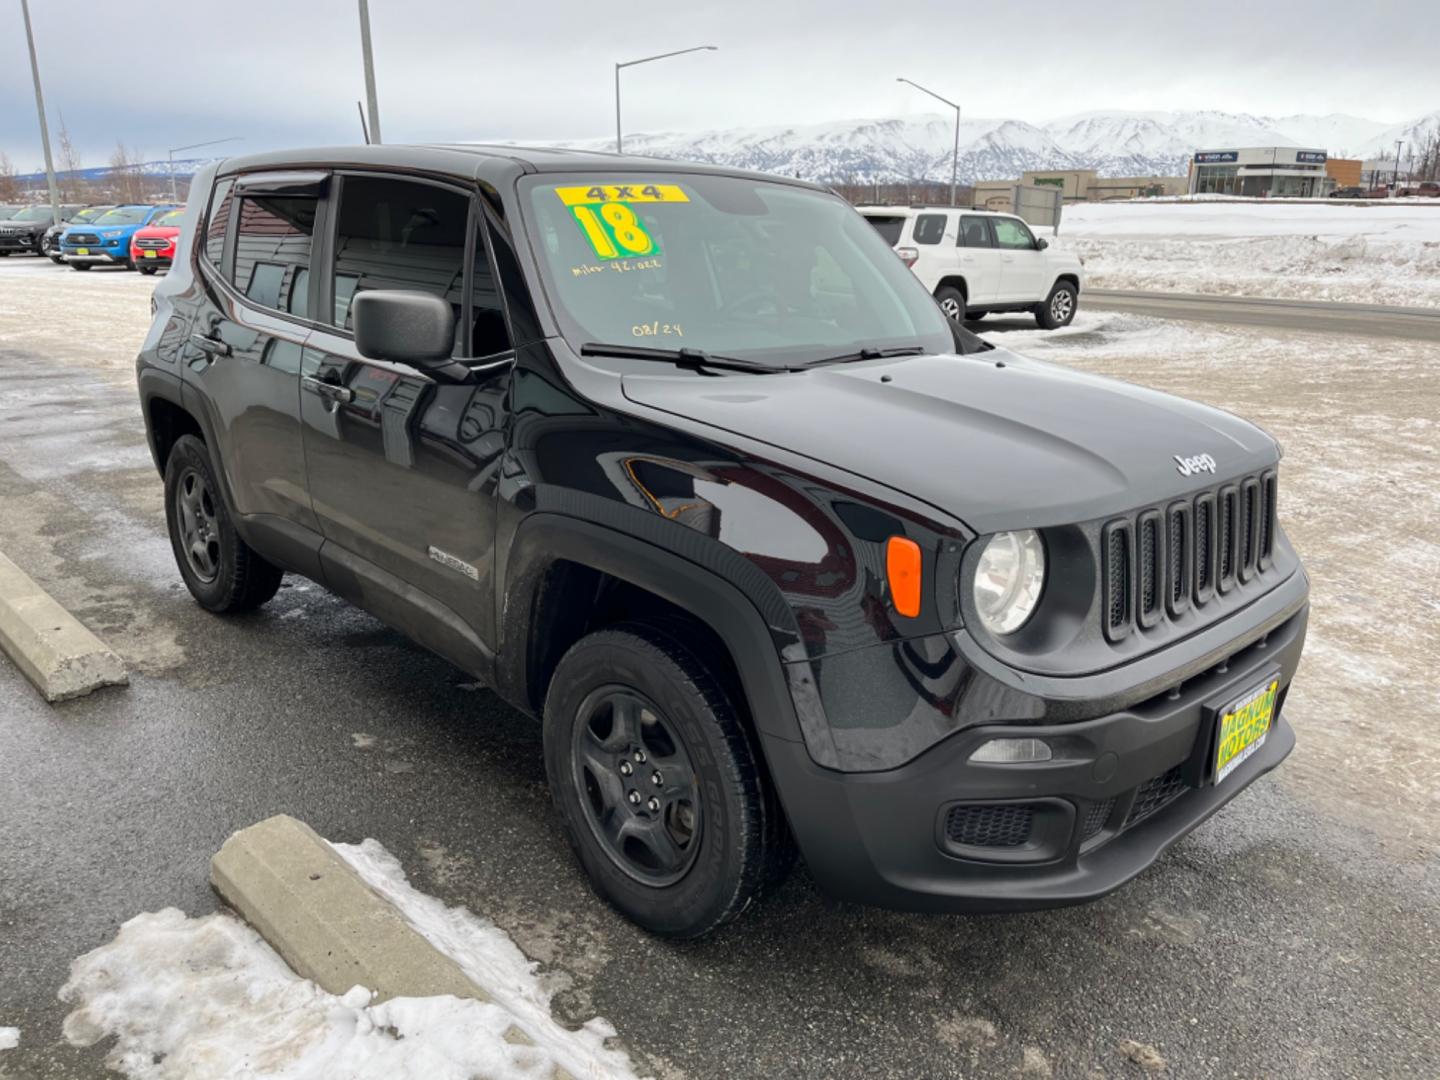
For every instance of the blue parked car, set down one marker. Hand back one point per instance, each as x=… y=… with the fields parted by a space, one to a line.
x=107 y=238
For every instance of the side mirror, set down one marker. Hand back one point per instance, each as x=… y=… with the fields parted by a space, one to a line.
x=408 y=327
x=1041 y=243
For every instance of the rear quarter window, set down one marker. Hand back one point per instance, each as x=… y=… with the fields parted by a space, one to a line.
x=930 y=228
x=218 y=222
x=889 y=227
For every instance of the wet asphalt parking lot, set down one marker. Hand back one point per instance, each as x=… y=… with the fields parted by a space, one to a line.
x=1295 y=934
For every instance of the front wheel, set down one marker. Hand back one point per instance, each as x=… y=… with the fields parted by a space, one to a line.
x=80 y=266
x=1059 y=307
x=221 y=571
x=951 y=301
x=146 y=270
x=659 y=788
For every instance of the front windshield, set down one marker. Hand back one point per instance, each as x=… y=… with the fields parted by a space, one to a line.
x=90 y=213
x=33 y=213
x=124 y=215
x=731 y=266
x=169 y=217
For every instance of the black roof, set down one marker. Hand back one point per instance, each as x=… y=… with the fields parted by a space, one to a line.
x=481 y=161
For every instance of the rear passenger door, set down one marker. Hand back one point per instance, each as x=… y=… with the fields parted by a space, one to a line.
x=401 y=462
x=242 y=359
x=979 y=261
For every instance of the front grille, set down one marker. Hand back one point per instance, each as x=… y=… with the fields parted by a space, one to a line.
x=989 y=826
x=1156 y=794
x=1096 y=818
x=1161 y=561
x=81 y=239
x=146 y=243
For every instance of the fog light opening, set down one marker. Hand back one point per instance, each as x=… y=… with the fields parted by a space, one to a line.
x=1012 y=751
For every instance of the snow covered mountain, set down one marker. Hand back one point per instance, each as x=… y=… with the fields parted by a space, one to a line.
x=918 y=147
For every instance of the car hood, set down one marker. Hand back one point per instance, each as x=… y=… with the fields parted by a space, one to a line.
x=997 y=440
x=32 y=226
x=163 y=232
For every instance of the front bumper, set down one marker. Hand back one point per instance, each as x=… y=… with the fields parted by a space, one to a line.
x=139 y=258
x=97 y=255
x=1122 y=788
x=19 y=242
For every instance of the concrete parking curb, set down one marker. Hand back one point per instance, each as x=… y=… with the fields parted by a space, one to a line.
x=333 y=929
x=51 y=647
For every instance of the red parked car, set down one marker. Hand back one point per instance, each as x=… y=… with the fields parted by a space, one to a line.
x=153 y=247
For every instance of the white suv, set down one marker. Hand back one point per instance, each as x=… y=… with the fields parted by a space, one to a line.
x=978 y=261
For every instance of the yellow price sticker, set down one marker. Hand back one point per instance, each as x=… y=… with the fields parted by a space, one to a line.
x=595 y=194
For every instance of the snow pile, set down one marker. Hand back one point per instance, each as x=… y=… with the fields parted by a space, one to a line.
x=9 y=1038
x=208 y=997
x=1383 y=254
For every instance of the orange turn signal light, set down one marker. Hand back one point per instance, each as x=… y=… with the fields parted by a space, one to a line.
x=902 y=567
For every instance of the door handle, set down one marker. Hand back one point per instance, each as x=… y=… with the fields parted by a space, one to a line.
x=212 y=345
x=330 y=391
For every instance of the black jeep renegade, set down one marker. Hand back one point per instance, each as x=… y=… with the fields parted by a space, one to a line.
x=685 y=462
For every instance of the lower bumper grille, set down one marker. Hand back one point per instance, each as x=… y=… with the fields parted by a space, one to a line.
x=1155 y=794
x=989 y=826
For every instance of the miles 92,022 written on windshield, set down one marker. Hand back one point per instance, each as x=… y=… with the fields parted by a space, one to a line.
x=767 y=271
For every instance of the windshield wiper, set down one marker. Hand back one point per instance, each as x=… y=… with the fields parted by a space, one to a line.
x=694 y=359
x=869 y=353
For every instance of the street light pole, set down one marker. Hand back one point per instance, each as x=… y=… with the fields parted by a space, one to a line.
x=1398 y=144
x=40 y=108
x=174 y=197
x=619 y=139
x=370 y=95
x=955 y=157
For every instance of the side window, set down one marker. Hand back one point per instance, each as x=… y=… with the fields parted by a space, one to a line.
x=489 y=334
x=975 y=232
x=272 y=251
x=397 y=234
x=1010 y=233
x=219 y=222
x=929 y=228
x=517 y=294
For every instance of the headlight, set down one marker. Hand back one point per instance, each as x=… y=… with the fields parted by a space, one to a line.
x=1009 y=579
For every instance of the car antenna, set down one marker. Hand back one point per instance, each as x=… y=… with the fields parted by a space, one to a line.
x=364 y=129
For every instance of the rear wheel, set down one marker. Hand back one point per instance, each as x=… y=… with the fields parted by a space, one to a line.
x=1059 y=307
x=221 y=571
x=951 y=301
x=658 y=786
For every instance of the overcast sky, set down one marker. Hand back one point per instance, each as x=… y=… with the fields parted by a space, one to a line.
x=288 y=72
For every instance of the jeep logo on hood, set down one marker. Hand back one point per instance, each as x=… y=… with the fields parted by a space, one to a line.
x=1189 y=466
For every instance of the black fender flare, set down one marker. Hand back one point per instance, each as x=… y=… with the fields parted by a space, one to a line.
x=544 y=538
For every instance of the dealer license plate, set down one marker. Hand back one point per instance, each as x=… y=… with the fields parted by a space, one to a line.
x=150 y=254
x=82 y=251
x=1243 y=726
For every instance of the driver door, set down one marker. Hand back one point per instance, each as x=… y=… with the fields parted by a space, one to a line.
x=401 y=462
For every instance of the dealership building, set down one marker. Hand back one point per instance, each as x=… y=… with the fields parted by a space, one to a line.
x=1261 y=171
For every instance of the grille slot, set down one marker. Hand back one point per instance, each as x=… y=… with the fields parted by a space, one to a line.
x=989 y=826
x=1179 y=558
x=1150 y=559
x=1204 y=548
x=1267 y=519
x=1155 y=794
x=1119 y=580
x=1226 y=506
x=82 y=238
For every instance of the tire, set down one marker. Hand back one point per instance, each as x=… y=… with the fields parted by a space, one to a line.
x=221 y=571
x=684 y=854
x=1059 y=307
x=80 y=266
x=951 y=301
x=146 y=270
x=46 y=248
